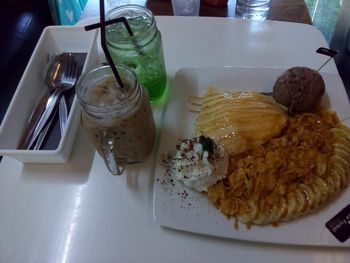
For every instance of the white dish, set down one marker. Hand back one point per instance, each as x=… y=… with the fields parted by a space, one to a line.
x=179 y=207
x=54 y=40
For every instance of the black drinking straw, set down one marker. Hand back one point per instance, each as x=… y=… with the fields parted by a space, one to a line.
x=104 y=46
x=110 y=22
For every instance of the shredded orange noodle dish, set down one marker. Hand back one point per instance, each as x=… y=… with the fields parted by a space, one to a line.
x=292 y=173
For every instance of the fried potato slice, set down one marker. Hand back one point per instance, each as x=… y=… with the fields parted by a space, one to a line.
x=239 y=120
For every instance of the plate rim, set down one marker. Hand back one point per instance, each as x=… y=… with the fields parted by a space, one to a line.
x=160 y=221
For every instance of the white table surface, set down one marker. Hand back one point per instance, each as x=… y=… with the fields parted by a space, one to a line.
x=78 y=212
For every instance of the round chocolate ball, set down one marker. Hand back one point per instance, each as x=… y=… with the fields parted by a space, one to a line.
x=299 y=88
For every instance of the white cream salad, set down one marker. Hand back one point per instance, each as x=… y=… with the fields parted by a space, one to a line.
x=199 y=163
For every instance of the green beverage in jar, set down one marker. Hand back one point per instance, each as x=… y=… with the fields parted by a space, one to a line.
x=143 y=52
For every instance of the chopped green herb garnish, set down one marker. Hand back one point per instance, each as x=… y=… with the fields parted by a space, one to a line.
x=207 y=143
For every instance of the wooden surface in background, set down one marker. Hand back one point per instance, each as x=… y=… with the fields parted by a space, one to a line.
x=281 y=10
x=289 y=10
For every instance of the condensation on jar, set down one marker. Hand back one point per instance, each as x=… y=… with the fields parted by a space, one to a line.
x=112 y=116
x=143 y=51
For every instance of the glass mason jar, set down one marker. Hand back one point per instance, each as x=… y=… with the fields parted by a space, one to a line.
x=119 y=122
x=143 y=52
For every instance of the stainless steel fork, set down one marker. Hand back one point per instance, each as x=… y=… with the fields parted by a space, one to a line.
x=63 y=109
x=65 y=82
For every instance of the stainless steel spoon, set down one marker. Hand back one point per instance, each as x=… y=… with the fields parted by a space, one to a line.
x=51 y=72
x=63 y=108
x=62 y=79
x=63 y=112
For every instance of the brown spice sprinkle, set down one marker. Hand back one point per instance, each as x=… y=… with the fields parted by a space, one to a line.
x=168 y=183
x=298 y=154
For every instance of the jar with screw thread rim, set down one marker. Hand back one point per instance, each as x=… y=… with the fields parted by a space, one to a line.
x=143 y=52
x=119 y=122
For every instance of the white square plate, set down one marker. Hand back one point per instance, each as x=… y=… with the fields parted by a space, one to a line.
x=177 y=206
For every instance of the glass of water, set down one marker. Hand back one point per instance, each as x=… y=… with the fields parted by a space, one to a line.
x=185 y=7
x=252 y=9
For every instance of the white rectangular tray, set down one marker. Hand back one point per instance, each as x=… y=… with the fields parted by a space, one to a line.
x=54 y=40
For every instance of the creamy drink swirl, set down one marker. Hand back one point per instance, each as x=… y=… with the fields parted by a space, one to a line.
x=121 y=117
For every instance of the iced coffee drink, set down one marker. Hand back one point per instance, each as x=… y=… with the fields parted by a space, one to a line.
x=118 y=121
